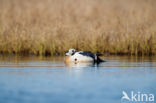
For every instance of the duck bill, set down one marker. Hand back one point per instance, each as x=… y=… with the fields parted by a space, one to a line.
x=67 y=54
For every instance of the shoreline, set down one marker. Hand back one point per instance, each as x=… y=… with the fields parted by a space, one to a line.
x=59 y=55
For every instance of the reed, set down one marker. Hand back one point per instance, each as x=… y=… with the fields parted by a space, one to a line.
x=50 y=27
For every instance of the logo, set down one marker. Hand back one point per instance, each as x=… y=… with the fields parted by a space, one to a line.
x=137 y=96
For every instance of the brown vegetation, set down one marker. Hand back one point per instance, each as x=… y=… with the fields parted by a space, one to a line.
x=52 y=26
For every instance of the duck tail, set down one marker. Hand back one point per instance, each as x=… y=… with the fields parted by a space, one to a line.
x=98 y=59
x=99 y=54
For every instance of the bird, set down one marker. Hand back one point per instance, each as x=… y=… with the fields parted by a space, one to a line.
x=72 y=55
x=125 y=96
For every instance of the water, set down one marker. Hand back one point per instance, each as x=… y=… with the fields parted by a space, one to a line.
x=49 y=80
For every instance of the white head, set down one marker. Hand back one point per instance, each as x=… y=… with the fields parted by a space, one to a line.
x=70 y=52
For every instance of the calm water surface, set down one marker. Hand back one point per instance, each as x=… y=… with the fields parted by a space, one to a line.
x=49 y=80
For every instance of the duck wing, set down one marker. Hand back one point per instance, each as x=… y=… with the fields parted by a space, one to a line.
x=87 y=53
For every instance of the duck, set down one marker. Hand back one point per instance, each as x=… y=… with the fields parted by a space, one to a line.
x=72 y=55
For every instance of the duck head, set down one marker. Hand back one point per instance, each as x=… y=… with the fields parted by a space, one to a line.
x=70 y=52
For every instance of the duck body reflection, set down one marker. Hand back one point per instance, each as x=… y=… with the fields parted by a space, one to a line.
x=80 y=64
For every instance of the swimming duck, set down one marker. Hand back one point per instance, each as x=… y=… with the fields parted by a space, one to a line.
x=75 y=56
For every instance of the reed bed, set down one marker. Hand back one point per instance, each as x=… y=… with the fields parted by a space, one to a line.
x=50 y=27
